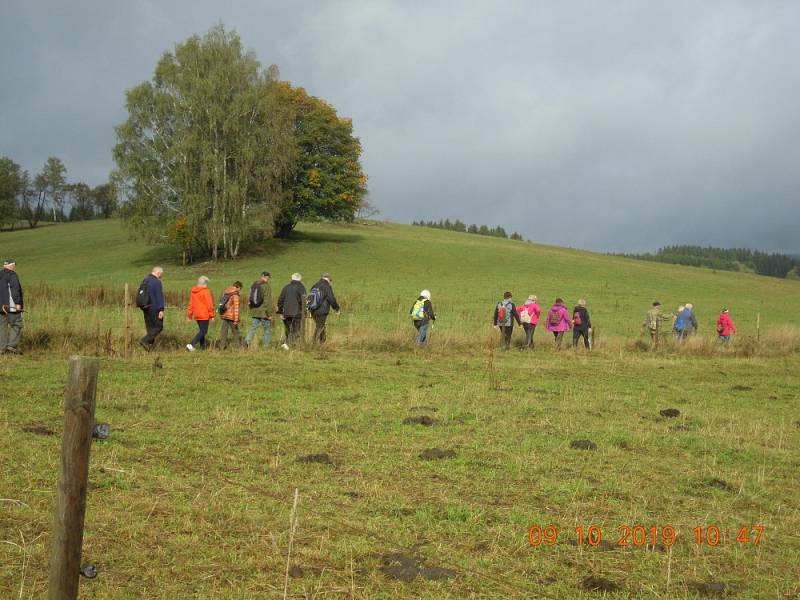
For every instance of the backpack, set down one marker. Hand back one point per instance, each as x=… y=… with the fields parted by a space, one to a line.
x=524 y=315
x=314 y=299
x=503 y=314
x=223 y=304
x=418 y=310
x=143 y=295
x=720 y=326
x=256 y=297
x=576 y=318
x=554 y=318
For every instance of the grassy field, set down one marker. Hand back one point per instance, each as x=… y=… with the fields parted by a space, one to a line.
x=191 y=495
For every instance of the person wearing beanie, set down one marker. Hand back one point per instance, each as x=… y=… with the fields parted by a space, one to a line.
x=11 y=308
x=290 y=308
x=321 y=300
x=422 y=316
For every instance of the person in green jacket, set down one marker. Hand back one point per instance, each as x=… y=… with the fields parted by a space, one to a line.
x=653 y=322
x=262 y=310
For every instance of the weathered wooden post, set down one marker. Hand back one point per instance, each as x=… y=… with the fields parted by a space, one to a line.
x=127 y=327
x=758 y=327
x=67 y=537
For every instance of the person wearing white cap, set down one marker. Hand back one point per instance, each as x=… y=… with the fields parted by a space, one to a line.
x=11 y=306
x=423 y=316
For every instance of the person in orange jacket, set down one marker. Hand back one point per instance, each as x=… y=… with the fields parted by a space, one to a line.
x=725 y=327
x=201 y=309
x=230 y=315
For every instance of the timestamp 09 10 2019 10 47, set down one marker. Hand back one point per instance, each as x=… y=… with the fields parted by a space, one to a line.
x=640 y=535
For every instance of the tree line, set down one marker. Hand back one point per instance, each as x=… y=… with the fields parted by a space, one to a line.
x=218 y=152
x=725 y=259
x=458 y=225
x=49 y=197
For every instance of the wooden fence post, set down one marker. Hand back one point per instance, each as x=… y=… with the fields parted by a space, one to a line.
x=758 y=327
x=126 y=332
x=67 y=536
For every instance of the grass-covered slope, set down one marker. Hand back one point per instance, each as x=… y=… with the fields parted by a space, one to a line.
x=379 y=269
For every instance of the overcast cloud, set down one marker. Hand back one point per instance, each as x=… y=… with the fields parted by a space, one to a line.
x=601 y=125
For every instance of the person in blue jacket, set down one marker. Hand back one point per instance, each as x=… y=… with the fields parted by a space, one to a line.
x=154 y=311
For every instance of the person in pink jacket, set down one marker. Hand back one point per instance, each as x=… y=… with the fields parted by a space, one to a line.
x=725 y=327
x=529 y=317
x=558 y=321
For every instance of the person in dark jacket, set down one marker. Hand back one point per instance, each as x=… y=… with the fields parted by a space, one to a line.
x=264 y=314
x=154 y=312
x=325 y=302
x=423 y=316
x=11 y=307
x=505 y=321
x=581 y=325
x=290 y=308
x=685 y=324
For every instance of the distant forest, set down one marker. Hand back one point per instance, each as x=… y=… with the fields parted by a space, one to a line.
x=726 y=259
x=457 y=225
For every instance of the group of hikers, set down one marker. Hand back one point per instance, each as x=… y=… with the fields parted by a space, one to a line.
x=294 y=302
x=684 y=324
x=291 y=306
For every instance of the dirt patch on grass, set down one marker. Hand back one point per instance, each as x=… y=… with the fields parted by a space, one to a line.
x=436 y=454
x=37 y=429
x=720 y=484
x=741 y=388
x=593 y=583
x=670 y=413
x=420 y=420
x=583 y=445
x=320 y=459
x=405 y=567
x=709 y=589
x=423 y=407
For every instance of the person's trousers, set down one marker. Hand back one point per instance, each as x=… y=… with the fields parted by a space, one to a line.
x=153 y=325
x=529 y=329
x=319 y=331
x=654 y=337
x=422 y=332
x=680 y=336
x=292 y=327
x=202 y=332
x=558 y=336
x=251 y=334
x=505 y=335
x=577 y=334
x=10 y=330
x=233 y=329
x=724 y=339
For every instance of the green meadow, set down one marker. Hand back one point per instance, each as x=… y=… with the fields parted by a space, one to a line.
x=420 y=473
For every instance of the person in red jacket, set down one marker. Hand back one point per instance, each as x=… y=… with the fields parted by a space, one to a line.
x=725 y=327
x=201 y=309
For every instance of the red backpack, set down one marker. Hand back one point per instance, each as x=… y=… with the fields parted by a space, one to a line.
x=554 y=317
x=576 y=318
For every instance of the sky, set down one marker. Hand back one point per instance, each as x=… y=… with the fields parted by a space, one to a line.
x=610 y=126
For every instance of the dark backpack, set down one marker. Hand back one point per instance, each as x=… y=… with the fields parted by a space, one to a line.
x=256 y=297
x=223 y=304
x=554 y=317
x=143 y=296
x=314 y=299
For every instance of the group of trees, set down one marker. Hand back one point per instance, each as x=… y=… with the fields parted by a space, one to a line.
x=218 y=152
x=457 y=225
x=48 y=196
x=724 y=259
